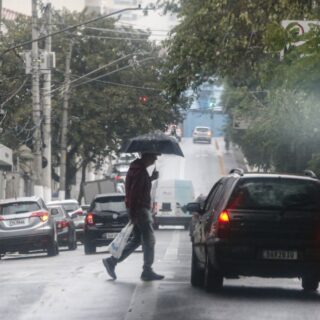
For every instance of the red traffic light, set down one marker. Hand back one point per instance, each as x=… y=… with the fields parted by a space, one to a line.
x=143 y=99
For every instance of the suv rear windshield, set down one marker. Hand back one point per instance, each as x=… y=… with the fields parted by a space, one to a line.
x=18 y=207
x=109 y=204
x=202 y=129
x=276 y=193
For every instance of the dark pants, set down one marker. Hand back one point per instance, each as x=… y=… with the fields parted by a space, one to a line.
x=142 y=234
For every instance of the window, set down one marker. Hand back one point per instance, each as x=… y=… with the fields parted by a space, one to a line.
x=19 y=207
x=275 y=193
x=110 y=204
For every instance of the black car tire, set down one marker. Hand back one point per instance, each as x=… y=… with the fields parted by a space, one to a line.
x=53 y=249
x=72 y=244
x=213 y=279
x=89 y=248
x=197 y=274
x=310 y=283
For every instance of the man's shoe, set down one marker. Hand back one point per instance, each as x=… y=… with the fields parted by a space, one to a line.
x=110 y=265
x=150 y=276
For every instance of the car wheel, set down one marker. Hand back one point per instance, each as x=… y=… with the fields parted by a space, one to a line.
x=310 y=283
x=53 y=249
x=197 y=274
x=89 y=248
x=72 y=245
x=213 y=279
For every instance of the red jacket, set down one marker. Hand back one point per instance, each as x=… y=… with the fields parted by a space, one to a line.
x=138 y=186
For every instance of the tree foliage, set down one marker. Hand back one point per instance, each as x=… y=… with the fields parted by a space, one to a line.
x=103 y=111
x=269 y=79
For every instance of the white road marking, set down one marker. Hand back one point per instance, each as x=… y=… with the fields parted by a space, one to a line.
x=172 y=251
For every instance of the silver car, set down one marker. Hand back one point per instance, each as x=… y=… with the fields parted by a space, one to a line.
x=74 y=210
x=26 y=224
x=202 y=134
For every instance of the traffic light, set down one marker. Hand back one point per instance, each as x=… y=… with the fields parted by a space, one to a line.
x=143 y=99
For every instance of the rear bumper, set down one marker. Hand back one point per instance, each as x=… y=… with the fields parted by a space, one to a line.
x=63 y=237
x=243 y=259
x=30 y=242
x=98 y=236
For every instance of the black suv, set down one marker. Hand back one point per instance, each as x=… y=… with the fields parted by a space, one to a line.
x=253 y=224
x=106 y=216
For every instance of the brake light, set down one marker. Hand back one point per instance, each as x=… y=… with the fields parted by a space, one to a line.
x=62 y=224
x=224 y=217
x=221 y=227
x=43 y=216
x=1 y=218
x=89 y=219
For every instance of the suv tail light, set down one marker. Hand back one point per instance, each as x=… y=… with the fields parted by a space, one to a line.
x=89 y=219
x=62 y=224
x=1 y=218
x=42 y=215
x=220 y=228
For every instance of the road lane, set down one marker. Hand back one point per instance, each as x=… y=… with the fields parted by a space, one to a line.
x=75 y=286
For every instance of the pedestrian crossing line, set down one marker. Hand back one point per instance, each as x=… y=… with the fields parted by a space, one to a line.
x=172 y=251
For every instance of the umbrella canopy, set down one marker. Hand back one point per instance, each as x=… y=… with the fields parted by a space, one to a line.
x=154 y=142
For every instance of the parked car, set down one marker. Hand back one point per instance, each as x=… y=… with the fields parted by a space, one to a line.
x=126 y=158
x=25 y=225
x=255 y=224
x=106 y=217
x=202 y=134
x=72 y=207
x=66 y=229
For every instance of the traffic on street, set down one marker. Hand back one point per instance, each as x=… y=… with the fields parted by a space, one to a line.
x=74 y=285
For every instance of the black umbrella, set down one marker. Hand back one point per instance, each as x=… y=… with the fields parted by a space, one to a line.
x=154 y=142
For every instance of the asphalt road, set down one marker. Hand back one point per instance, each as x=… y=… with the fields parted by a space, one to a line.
x=75 y=286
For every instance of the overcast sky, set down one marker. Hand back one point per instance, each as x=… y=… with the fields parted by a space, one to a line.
x=24 y=6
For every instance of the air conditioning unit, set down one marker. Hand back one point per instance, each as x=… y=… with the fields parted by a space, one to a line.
x=47 y=61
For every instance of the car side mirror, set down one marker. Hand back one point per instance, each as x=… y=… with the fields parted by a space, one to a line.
x=194 y=207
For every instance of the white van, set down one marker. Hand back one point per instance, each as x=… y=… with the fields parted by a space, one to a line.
x=169 y=200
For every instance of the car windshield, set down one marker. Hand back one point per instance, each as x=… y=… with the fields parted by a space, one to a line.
x=110 y=204
x=276 y=193
x=18 y=207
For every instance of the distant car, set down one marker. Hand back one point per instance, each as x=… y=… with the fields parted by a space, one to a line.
x=201 y=134
x=65 y=226
x=72 y=207
x=126 y=158
x=257 y=224
x=25 y=225
x=106 y=217
x=174 y=131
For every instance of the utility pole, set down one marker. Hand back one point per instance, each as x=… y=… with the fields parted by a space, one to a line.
x=36 y=111
x=47 y=111
x=64 y=129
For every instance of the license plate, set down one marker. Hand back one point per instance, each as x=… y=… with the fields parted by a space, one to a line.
x=109 y=235
x=17 y=222
x=280 y=254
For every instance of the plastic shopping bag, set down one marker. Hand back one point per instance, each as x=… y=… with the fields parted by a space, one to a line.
x=119 y=242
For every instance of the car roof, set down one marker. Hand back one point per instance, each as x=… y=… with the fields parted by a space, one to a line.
x=111 y=194
x=276 y=175
x=202 y=127
x=63 y=201
x=20 y=199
